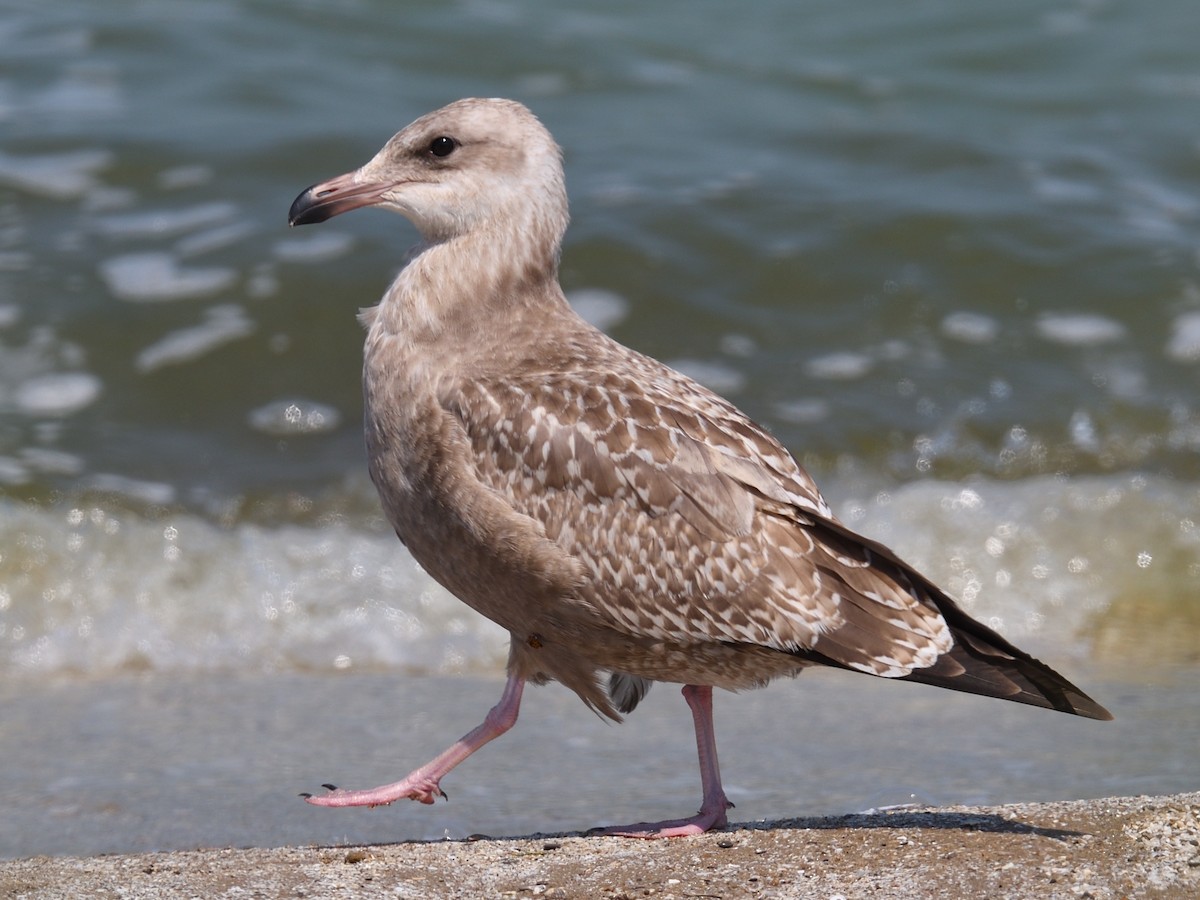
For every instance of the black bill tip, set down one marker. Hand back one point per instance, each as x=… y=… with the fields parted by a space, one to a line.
x=308 y=208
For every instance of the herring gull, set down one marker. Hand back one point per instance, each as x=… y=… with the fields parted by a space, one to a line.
x=624 y=524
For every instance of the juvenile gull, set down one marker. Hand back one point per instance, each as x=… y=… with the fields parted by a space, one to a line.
x=623 y=523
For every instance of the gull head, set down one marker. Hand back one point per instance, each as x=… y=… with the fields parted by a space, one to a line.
x=476 y=165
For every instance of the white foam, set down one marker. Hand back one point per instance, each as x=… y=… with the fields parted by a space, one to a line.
x=285 y=417
x=10 y=314
x=970 y=328
x=316 y=247
x=1184 y=345
x=97 y=589
x=1043 y=559
x=165 y=222
x=222 y=325
x=61 y=176
x=101 y=590
x=56 y=393
x=842 y=366
x=1079 y=329
x=600 y=307
x=152 y=277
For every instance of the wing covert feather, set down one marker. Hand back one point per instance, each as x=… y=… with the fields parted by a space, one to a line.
x=691 y=523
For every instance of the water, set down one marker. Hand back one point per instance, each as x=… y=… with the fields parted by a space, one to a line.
x=948 y=253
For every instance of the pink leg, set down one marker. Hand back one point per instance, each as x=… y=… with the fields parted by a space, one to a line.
x=714 y=804
x=422 y=784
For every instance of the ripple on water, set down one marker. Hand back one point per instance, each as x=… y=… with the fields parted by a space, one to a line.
x=970 y=327
x=217 y=238
x=56 y=393
x=716 y=376
x=60 y=176
x=222 y=325
x=319 y=247
x=1079 y=329
x=1184 y=345
x=154 y=276
x=598 y=306
x=151 y=493
x=842 y=366
x=184 y=176
x=165 y=222
x=802 y=410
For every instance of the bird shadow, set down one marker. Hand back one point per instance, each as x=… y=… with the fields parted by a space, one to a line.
x=911 y=819
x=896 y=819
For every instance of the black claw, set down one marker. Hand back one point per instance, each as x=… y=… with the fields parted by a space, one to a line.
x=306 y=796
x=329 y=787
x=445 y=796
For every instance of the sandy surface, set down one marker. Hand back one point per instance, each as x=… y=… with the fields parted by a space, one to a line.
x=1121 y=847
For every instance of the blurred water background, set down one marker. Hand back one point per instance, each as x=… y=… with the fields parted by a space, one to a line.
x=947 y=252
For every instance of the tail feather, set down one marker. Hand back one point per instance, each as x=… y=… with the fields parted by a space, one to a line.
x=980 y=661
x=983 y=662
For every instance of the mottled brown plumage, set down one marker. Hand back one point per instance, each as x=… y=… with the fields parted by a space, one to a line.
x=622 y=522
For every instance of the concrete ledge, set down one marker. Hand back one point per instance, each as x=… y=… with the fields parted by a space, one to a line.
x=1118 y=847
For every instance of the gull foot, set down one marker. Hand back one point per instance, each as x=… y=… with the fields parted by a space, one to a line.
x=705 y=820
x=421 y=790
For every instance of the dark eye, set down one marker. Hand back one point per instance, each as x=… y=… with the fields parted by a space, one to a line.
x=442 y=146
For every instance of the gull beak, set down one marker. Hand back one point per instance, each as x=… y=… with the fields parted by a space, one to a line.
x=330 y=198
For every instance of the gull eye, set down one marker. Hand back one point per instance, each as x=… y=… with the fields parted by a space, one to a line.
x=442 y=146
